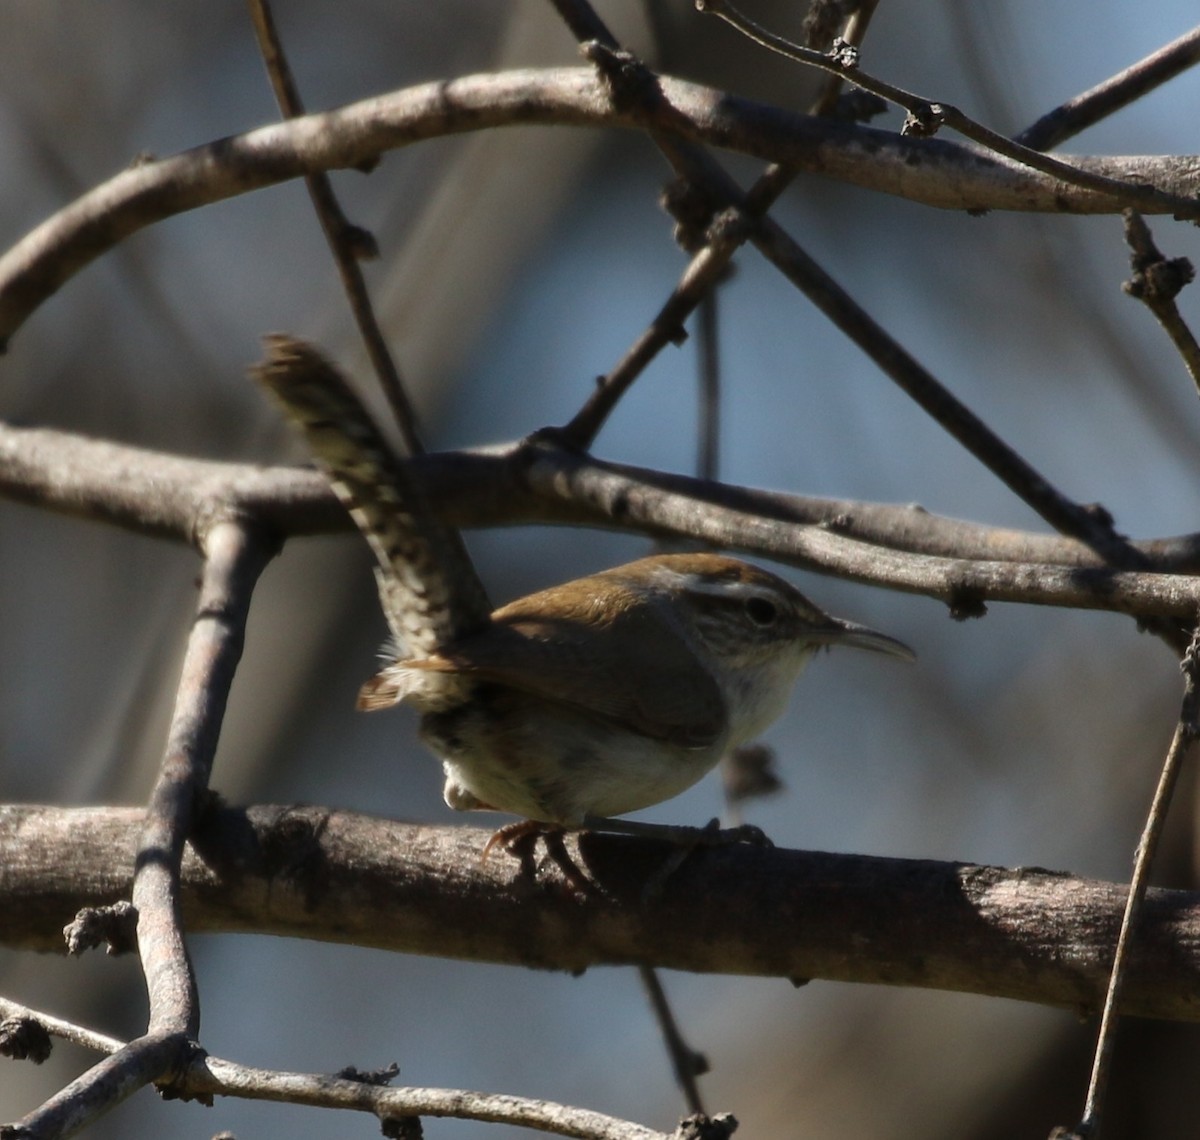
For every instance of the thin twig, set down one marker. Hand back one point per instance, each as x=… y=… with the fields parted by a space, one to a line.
x=584 y=22
x=708 y=363
x=1156 y=282
x=760 y=197
x=207 y=1076
x=853 y=35
x=215 y=1077
x=707 y=266
x=64 y=1030
x=927 y=116
x=1089 y=107
x=898 y=364
x=348 y=243
x=1186 y=732
x=702 y=273
x=685 y=1061
x=234 y=558
x=631 y=82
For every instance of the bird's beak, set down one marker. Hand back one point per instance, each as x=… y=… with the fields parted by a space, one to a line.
x=839 y=632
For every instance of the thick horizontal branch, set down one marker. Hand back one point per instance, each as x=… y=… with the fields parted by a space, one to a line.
x=334 y=876
x=931 y=171
x=893 y=546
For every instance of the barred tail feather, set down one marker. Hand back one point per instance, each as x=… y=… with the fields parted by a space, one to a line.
x=428 y=587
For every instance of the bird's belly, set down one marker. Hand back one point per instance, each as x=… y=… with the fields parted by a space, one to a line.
x=552 y=763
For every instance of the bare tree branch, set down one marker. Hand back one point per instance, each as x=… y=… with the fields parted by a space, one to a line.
x=898 y=547
x=926 y=116
x=223 y=1078
x=1186 y=731
x=708 y=264
x=1156 y=282
x=61 y=1028
x=205 y=1077
x=687 y=1063
x=313 y=873
x=103 y=1087
x=931 y=171
x=348 y=243
x=1089 y=107
x=235 y=558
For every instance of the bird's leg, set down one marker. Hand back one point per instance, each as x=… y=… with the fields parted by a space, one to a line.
x=516 y=837
x=520 y=840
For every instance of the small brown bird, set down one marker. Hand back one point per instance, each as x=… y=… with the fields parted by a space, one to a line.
x=614 y=692
x=584 y=701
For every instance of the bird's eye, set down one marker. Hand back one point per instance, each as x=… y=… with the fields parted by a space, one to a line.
x=761 y=612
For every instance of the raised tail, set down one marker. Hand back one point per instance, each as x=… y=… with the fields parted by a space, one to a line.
x=428 y=587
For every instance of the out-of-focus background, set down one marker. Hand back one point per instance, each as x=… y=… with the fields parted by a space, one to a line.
x=515 y=268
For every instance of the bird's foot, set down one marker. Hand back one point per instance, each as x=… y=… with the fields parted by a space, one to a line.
x=520 y=840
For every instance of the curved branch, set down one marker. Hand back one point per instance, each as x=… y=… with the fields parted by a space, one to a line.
x=931 y=171
x=336 y=876
x=105 y=1085
x=236 y=556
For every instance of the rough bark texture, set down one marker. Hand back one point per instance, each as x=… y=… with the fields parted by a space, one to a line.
x=308 y=872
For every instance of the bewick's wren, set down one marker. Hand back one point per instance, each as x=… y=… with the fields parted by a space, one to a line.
x=587 y=700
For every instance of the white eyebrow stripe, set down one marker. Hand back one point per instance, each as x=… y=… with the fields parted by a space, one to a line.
x=701 y=584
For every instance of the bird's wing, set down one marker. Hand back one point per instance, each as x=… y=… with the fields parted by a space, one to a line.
x=623 y=662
